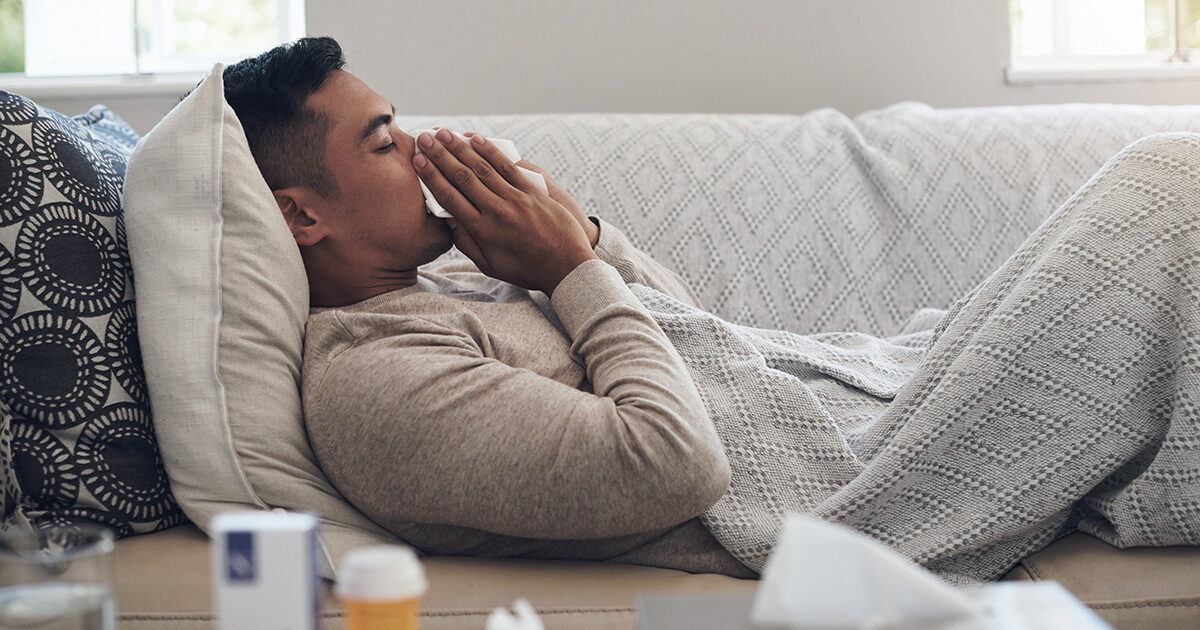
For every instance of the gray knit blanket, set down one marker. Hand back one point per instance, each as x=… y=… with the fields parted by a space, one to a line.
x=1062 y=393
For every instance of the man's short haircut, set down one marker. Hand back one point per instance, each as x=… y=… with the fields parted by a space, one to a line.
x=267 y=93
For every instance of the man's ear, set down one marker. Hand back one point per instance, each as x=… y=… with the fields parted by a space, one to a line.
x=304 y=220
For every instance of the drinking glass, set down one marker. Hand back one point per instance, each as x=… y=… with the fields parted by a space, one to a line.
x=57 y=578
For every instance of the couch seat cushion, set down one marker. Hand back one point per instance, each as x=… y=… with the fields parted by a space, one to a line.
x=163 y=580
x=1155 y=588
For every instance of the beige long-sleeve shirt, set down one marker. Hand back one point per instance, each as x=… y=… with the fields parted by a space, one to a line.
x=470 y=416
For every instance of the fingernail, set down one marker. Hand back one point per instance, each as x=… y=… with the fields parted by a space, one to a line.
x=443 y=135
x=477 y=140
x=425 y=140
x=420 y=161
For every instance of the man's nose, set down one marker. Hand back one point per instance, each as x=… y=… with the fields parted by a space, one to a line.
x=409 y=143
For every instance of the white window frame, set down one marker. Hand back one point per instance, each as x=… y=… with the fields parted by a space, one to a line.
x=168 y=80
x=1174 y=63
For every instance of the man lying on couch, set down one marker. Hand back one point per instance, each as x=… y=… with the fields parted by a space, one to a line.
x=504 y=447
x=564 y=396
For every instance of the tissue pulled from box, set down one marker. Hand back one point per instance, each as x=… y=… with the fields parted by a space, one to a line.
x=830 y=576
x=824 y=575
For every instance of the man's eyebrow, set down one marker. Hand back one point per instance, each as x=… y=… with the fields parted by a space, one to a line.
x=376 y=123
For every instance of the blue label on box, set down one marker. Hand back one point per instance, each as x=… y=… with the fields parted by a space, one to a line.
x=239 y=556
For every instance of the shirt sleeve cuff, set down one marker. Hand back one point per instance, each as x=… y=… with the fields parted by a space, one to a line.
x=612 y=244
x=615 y=249
x=587 y=290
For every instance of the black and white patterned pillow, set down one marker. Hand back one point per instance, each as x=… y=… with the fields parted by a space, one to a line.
x=82 y=443
x=12 y=517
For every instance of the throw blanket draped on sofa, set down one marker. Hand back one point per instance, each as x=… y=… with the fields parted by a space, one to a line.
x=1063 y=392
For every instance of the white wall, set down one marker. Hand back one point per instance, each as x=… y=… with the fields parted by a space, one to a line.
x=519 y=56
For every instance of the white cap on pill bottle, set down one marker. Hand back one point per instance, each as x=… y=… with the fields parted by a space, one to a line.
x=381 y=573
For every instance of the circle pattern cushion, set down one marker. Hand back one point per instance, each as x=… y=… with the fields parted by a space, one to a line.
x=77 y=434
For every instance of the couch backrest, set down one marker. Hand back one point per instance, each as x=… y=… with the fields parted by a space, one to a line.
x=818 y=222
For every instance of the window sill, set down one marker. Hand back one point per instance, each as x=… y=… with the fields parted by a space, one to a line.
x=94 y=86
x=1117 y=73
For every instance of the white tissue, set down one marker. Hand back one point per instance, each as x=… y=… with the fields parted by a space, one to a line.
x=829 y=575
x=505 y=146
x=526 y=618
x=823 y=575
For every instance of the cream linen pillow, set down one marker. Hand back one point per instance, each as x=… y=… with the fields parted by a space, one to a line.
x=222 y=301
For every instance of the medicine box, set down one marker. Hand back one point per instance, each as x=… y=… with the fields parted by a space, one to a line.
x=265 y=570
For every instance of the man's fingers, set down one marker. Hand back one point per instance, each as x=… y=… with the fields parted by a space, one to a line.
x=446 y=194
x=460 y=166
x=485 y=162
x=502 y=165
x=491 y=166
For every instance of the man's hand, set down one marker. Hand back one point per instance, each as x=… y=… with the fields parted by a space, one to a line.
x=502 y=222
x=560 y=194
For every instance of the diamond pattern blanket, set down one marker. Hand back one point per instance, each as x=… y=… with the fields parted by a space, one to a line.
x=1061 y=393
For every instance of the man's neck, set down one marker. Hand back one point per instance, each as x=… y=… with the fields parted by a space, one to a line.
x=345 y=294
x=339 y=285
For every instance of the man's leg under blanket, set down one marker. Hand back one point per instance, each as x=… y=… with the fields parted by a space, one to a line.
x=1063 y=392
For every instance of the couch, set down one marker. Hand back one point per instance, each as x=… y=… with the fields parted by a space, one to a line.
x=777 y=221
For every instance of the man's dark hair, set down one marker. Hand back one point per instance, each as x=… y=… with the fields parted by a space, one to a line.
x=267 y=93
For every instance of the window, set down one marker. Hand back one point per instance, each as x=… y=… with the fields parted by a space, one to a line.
x=138 y=38
x=1104 y=39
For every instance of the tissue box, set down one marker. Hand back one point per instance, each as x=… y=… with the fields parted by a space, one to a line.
x=693 y=611
x=265 y=570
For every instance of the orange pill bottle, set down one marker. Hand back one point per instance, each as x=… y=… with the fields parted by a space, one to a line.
x=380 y=586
